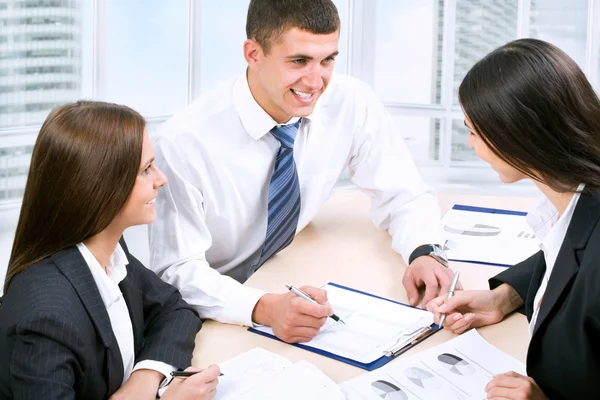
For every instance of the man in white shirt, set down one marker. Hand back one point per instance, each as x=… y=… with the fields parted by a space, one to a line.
x=250 y=163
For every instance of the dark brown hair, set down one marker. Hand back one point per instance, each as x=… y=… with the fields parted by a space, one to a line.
x=83 y=168
x=535 y=109
x=268 y=19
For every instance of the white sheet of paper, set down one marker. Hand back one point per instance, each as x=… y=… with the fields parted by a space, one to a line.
x=372 y=325
x=486 y=237
x=458 y=369
x=260 y=374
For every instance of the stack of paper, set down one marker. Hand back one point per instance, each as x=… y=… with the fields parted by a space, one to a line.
x=261 y=375
x=458 y=369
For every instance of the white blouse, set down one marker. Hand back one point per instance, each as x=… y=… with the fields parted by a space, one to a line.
x=118 y=312
x=551 y=229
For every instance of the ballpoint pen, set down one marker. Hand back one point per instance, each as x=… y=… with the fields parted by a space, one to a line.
x=450 y=294
x=300 y=293
x=186 y=374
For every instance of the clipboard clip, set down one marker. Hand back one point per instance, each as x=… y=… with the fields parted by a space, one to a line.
x=403 y=342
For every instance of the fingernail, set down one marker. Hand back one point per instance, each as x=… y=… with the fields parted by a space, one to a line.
x=469 y=317
x=412 y=301
x=457 y=317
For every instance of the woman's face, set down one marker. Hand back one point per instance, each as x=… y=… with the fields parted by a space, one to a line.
x=140 y=207
x=506 y=172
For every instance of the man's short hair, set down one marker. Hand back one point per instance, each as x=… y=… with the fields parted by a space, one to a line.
x=269 y=19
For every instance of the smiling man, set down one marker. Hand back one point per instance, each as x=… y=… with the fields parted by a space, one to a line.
x=250 y=163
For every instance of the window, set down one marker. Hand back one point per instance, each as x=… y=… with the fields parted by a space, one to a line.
x=47 y=43
x=408 y=71
x=480 y=27
x=144 y=62
x=157 y=56
x=415 y=54
x=222 y=36
x=564 y=26
x=422 y=136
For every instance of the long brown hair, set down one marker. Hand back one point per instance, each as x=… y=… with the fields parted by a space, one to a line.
x=83 y=168
x=535 y=109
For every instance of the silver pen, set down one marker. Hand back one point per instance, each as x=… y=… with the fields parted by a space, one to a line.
x=450 y=294
x=300 y=293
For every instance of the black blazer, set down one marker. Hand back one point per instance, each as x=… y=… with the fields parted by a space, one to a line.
x=56 y=340
x=564 y=352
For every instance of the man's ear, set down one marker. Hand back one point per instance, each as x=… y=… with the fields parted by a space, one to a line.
x=252 y=52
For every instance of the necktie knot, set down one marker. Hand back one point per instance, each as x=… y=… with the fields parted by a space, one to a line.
x=286 y=134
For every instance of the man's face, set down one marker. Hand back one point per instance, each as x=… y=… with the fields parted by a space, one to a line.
x=289 y=80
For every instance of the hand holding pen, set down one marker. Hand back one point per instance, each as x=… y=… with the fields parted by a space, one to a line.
x=199 y=385
x=468 y=309
x=305 y=296
x=292 y=318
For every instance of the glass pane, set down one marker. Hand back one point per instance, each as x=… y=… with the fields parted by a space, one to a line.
x=223 y=35
x=565 y=27
x=146 y=59
x=460 y=144
x=421 y=135
x=341 y=61
x=408 y=51
x=223 y=59
x=481 y=26
x=40 y=58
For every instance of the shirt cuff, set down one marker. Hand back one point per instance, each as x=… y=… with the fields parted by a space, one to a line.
x=157 y=366
x=242 y=305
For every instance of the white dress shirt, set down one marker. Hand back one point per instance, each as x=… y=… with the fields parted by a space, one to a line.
x=118 y=312
x=551 y=229
x=219 y=158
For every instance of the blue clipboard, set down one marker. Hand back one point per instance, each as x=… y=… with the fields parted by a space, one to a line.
x=462 y=207
x=372 y=365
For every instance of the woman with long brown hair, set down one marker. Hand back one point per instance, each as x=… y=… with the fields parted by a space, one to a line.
x=533 y=115
x=81 y=317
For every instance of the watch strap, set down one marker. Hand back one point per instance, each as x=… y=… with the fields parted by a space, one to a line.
x=428 y=250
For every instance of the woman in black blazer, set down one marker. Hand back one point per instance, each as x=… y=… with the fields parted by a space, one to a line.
x=533 y=114
x=81 y=317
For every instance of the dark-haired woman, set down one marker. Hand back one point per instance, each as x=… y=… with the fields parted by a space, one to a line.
x=533 y=115
x=81 y=317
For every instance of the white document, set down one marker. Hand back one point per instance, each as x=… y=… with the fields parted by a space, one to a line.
x=458 y=369
x=260 y=374
x=372 y=327
x=488 y=237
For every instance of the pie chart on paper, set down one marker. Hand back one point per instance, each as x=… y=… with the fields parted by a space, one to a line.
x=388 y=391
x=422 y=378
x=456 y=364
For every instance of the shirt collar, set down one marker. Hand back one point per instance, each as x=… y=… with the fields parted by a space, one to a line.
x=255 y=119
x=107 y=282
x=543 y=216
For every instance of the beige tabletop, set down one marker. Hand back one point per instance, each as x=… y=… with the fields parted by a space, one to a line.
x=343 y=245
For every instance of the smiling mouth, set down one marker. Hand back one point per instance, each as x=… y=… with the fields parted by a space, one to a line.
x=305 y=96
x=152 y=202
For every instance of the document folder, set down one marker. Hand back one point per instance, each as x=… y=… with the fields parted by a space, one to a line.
x=488 y=236
x=385 y=328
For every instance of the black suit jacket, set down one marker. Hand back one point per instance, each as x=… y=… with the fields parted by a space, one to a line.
x=56 y=340
x=564 y=352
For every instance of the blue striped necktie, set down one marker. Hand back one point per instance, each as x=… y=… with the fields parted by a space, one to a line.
x=284 y=195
